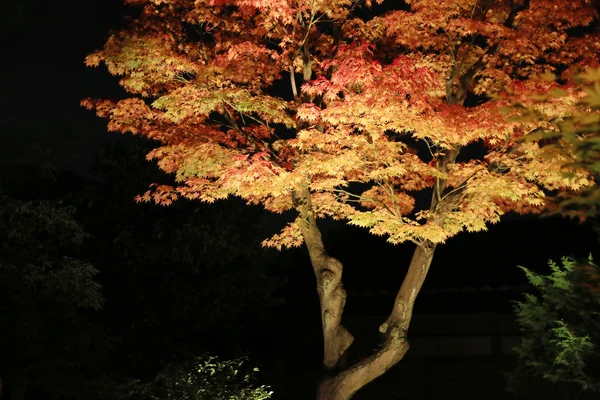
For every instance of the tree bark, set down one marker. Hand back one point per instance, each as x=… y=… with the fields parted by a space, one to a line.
x=394 y=344
x=332 y=295
x=342 y=384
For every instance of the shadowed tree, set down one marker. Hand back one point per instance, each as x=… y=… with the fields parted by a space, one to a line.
x=579 y=133
x=336 y=111
x=47 y=341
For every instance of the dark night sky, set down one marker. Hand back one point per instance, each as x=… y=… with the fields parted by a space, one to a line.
x=43 y=48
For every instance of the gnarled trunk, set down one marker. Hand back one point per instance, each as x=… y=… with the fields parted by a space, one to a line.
x=339 y=383
x=394 y=343
x=332 y=295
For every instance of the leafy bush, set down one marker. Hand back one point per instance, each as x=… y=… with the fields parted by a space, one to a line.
x=558 y=356
x=204 y=378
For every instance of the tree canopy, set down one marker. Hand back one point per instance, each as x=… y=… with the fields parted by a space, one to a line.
x=202 y=75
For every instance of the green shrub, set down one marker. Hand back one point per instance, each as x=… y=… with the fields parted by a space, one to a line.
x=204 y=378
x=558 y=356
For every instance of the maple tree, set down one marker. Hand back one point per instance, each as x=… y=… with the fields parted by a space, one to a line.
x=325 y=108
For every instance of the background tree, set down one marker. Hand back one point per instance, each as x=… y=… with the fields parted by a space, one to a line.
x=579 y=132
x=392 y=128
x=559 y=355
x=49 y=343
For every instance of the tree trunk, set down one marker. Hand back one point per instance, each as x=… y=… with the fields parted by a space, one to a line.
x=394 y=343
x=332 y=295
x=339 y=383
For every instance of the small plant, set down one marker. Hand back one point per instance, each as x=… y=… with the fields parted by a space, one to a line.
x=204 y=378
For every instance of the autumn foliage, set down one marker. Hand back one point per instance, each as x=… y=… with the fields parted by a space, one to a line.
x=346 y=109
x=201 y=71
